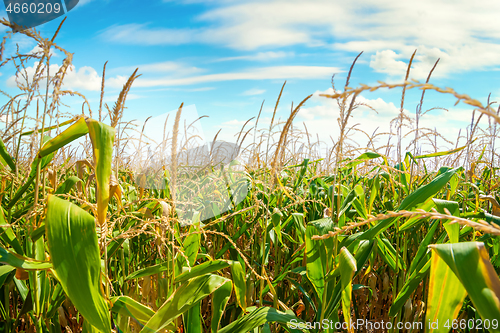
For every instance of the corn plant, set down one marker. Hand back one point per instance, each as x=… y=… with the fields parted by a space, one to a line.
x=86 y=245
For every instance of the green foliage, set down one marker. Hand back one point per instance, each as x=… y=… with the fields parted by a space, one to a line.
x=82 y=241
x=72 y=244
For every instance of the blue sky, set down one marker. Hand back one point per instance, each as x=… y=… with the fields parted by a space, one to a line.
x=226 y=57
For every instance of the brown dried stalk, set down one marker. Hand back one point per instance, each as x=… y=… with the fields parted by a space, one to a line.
x=480 y=225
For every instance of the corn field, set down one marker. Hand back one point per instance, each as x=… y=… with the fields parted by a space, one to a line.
x=285 y=240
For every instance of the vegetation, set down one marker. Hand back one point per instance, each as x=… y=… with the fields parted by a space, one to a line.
x=354 y=236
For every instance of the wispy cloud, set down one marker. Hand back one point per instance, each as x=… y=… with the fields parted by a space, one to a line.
x=261 y=56
x=84 y=2
x=114 y=98
x=259 y=73
x=253 y=92
x=141 y=34
x=236 y=123
x=184 y=89
x=170 y=67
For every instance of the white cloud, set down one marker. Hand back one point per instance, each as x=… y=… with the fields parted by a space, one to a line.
x=460 y=33
x=114 y=98
x=85 y=78
x=386 y=62
x=186 y=89
x=37 y=49
x=259 y=73
x=163 y=67
x=236 y=123
x=142 y=35
x=253 y=92
x=256 y=24
x=188 y=2
x=261 y=56
x=201 y=89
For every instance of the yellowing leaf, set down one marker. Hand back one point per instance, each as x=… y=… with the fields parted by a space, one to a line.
x=471 y=265
x=102 y=137
x=446 y=296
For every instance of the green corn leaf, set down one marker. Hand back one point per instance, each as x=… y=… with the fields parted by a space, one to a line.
x=56 y=299
x=373 y=192
x=46 y=129
x=298 y=220
x=362 y=253
x=348 y=201
x=388 y=253
x=261 y=316
x=191 y=247
x=39 y=279
x=151 y=270
x=8 y=236
x=423 y=247
x=240 y=283
x=75 y=131
x=88 y=328
x=415 y=220
x=128 y=307
x=347 y=265
x=219 y=302
x=301 y=174
x=276 y=223
x=403 y=176
x=184 y=298
x=19 y=261
x=37 y=233
x=5 y=271
x=317 y=253
x=420 y=195
x=276 y=217
x=453 y=230
x=202 y=269
x=68 y=184
x=72 y=243
x=442 y=153
x=236 y=236
x=363 y=158
x=427 y=191
x=359 y=203
x=409 y=287
x=5 y=156
x=192 y=319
